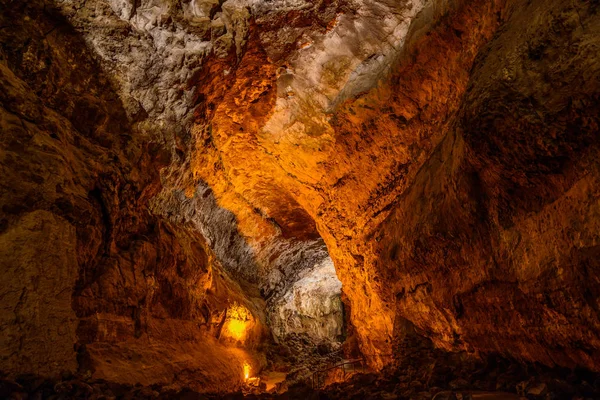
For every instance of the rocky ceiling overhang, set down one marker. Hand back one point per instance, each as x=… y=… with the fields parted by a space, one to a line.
x=311 y=119
x=443 y=153
x=246 y=94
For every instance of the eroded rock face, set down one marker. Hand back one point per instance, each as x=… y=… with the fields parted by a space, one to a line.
x=502 y=260
x=442 y=153
x=279 y=268
x=368 y=174
x=37 y=322
x=445 y=195
x=311 y=306
x=347 y=174
x=93 y=282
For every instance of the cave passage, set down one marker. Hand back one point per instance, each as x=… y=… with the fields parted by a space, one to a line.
x=312 y=306
x=296 y=278
x=300 y=199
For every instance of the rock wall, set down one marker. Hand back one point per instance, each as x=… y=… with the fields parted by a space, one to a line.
x=494 y=243
x=338 y=167
x=415 y=231
x=311 y=306
x=93 y=281
x=442 y=153
x=39 y=267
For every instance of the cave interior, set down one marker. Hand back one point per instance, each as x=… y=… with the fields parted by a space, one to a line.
x=300 y=199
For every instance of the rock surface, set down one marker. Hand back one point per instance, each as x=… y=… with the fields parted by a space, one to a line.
x=312 y=306
x=457 y=193
x=418 y=372
x=93 y=282
x=166 y=164
x=37 y=322
x=493 y=243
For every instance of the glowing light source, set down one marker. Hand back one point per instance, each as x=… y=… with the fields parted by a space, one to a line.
x=236 y=329
x=237 y=322
x=246 y=370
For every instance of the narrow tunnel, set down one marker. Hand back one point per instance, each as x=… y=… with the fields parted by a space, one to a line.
x=329 y=199
x=295 y=276
x=290 y=282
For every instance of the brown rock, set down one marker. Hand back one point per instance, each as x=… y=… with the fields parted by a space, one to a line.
x=538 y=390
x=171 y=172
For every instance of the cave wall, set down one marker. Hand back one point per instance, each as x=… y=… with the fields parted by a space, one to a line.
x=194 y=156
x=275 y=265
x=344 y=162
x=38 y=323
x=493 y=247
x=501 y=93
x=93 y=281
x=166 y=60
x=311 y=306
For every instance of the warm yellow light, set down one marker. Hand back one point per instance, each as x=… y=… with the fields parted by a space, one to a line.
x=236 y=329
x=246 y=370
x=238 y=321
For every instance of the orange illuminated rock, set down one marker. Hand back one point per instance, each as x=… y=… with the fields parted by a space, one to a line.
x=172 y=172
x=342 y=168
x=93 y=282
x=429 y=210
x=240 y=326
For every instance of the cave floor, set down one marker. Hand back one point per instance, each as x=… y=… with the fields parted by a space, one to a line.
x=508 y=380
x=272 y=379
x=420 y=372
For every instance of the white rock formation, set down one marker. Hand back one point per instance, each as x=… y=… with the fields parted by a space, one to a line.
x=312 y=306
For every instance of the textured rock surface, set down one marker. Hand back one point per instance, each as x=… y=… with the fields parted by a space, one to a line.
x=346 y=172
x=413 y=230
x=275 y=267
x=93 y=281
x=154 y=52
x=37 y=322
x=454 y=193
x=442 y=153
x=494 y=242
x=311 y=306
